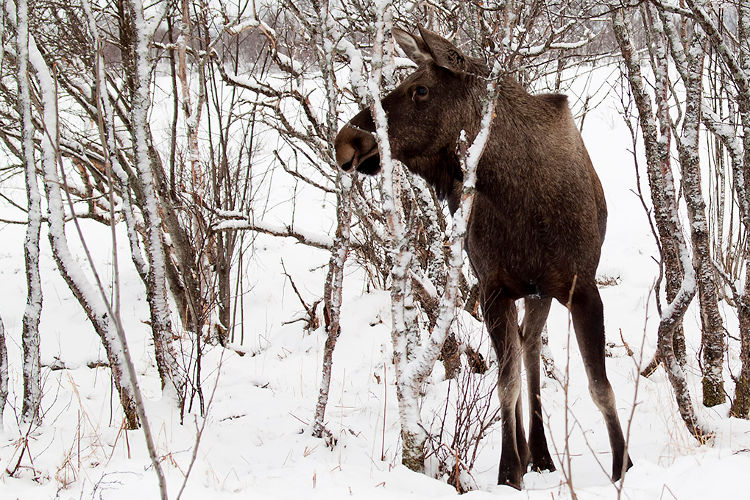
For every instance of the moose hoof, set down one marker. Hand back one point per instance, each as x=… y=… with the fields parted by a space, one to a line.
x=510 y=476
x=542 y=463
x=617 y=470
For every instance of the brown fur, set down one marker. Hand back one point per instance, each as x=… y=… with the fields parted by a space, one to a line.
x=537 y=224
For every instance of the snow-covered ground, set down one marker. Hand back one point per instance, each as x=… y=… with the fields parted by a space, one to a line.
x=256 y=442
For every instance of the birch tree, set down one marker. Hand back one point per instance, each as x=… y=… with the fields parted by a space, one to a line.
x=156 y=292
x=689 y=63
x=3 y=371
x=81 y=287
x=736 y=61
x=667 y=219
x=669 y=248
x=32 y=391
x=741 y=404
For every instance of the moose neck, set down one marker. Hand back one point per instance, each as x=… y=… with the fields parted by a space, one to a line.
x=442 y=171
x=515 y=111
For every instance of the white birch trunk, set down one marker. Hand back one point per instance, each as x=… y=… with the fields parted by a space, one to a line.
x=172 y=379
x=670 y=253
x=413 y=435
x=739 y=73
x=70 y=269
x=333 y=291
x=741 y=403
x=3 y=372
x=32 y=390
x=690 y=65
x=333 y=295
x=670 y=231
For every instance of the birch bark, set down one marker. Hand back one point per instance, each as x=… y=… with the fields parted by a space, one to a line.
x=739 y=72
x=172 y=380
x=667 y=221
x=66 y=263
x=3 y=371
x=413 y=436
x=741 y=404
x=32 y=390
x=334 y=286
x=690 y=66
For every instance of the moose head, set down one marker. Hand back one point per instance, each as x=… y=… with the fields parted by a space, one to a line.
x=426 y=113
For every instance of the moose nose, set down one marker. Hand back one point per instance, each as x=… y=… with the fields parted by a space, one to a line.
x=353 y=145
x=345 y=151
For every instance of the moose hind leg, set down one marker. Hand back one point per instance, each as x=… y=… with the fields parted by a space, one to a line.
x=524 y=454
x=588 y=321
x=501 y=319
x=533 y=323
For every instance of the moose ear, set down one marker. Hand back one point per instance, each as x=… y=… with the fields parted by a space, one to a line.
x=413 y=46
x=443 y=52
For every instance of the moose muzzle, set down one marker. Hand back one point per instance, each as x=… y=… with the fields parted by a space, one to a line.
x=356 y=146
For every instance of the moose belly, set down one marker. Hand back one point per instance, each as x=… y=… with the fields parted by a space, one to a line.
x=528 y=252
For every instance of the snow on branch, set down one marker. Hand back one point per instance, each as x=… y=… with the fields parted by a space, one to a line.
x=243 y=26
x=234 y=221
x=285 y=62
x=550 y=44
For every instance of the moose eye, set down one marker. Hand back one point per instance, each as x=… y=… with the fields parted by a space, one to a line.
x=421 y=91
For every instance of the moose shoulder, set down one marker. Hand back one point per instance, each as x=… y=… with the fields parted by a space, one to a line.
x=536 y=227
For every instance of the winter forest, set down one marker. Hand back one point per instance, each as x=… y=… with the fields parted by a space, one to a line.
x=197 y=302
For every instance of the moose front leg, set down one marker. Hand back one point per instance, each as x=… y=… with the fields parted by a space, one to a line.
x=502 y=323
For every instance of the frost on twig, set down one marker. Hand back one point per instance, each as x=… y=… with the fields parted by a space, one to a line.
x=240 y=222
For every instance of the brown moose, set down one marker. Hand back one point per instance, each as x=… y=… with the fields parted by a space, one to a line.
x=536 y=226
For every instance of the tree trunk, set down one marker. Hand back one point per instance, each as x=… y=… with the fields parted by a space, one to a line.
x=713 y=332
x=3 y=372
x=673 y=271
x=689 y=63
x=332 y=295
x=172 y=379
x=32 y=389
x=666 y=216
x=741 y=404
x=69 y=268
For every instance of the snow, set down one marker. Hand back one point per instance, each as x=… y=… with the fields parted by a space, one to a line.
x=318 y=240
x=256 y=442
x=243 y=25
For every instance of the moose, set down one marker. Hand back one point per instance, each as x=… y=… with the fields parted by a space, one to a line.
x=536 y=227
